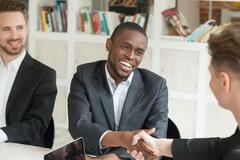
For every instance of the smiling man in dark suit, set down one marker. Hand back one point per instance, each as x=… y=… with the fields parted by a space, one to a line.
x=27 y=87
x=108 y=97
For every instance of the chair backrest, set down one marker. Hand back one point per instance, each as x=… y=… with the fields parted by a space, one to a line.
x=49 y=135
x=173 y=133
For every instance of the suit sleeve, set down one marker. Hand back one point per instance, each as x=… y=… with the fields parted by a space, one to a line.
x=158 y=115
x=204 y=148
x=80 y=116
x=37 y=117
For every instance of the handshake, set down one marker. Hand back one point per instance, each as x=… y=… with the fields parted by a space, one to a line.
x=141 y=145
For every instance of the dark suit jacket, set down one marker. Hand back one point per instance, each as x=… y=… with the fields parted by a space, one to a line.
x=90 y=106
x=207 y=148
x=30 y=104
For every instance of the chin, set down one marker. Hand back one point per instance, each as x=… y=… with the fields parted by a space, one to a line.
x=15 y=51
x=223 y=106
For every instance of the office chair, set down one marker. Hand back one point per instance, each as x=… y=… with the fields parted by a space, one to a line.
x=172 y=132
x=49 y=135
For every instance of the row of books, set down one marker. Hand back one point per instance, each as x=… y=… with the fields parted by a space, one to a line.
x=97 y=22
x=53 y=18
x=103 y=23
x=139 y=18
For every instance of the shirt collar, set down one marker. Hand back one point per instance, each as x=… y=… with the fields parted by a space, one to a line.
x=15 y=64
x=109 y=78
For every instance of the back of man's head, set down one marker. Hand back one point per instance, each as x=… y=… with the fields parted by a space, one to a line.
x=13 y=6
x=224 y=47
x=130 y=26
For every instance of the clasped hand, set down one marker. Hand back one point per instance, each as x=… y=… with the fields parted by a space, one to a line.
x=140 y=144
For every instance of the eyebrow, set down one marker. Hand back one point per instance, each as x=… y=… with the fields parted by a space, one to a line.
x=20 y=25
x=128 y=43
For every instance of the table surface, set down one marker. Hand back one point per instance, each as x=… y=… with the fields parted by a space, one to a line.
x=14 y=151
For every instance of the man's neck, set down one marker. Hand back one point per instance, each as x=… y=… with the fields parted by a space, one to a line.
x=6 y=58
x=237 y=116
x=236 y=113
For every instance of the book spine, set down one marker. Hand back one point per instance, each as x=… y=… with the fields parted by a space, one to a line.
x=105 y=23
x=59 y=18
x=44 y=20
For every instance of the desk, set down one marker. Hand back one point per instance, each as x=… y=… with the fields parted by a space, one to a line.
x=14 y=151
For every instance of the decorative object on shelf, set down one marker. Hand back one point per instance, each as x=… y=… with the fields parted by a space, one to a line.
x=202 y=31
x=177 y=21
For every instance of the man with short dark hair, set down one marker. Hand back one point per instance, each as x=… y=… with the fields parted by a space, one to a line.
x=27 y=87
x=107 y=97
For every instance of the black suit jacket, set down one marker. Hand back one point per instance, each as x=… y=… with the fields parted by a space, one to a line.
x=207 y=148
x=30 y=104
x=90 y=106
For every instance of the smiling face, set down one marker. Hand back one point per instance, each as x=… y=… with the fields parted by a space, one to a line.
x=13 y=32
x=125 y=53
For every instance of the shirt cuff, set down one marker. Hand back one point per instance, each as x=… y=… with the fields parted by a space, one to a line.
x=3 y=136
x=100 y=140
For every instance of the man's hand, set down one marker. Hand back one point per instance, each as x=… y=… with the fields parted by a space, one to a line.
x=110 y=156
x=147 y=145
x=127 y=138
x=139 y=148
x=151 y=147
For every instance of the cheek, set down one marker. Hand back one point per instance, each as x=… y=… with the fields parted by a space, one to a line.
x=4 y=37
x=23 y=35
x=212 y=86
x=138 y=60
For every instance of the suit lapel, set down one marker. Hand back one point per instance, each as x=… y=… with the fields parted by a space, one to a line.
x=23 y=74
x=105 y=95
x=135 y=93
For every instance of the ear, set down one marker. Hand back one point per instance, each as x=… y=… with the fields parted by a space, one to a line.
x=225 y=81
x=108 y=44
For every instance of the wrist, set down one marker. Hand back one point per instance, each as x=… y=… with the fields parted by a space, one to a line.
x=112 y=139
x=164 y=146
x=110 y=156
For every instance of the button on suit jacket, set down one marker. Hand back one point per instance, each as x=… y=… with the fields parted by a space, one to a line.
x=30 y=104
x=90 y=106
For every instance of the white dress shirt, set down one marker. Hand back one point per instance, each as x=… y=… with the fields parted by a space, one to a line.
x=7 y=77
x=119 y=93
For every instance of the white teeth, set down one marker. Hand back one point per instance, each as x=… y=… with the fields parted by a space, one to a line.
x=126 y=64
x=13 y=42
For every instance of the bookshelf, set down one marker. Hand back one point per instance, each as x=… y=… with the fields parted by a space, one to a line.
x=183 y=64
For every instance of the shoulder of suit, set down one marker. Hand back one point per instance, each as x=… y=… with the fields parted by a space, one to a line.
x=41 y=66
x=90 y=67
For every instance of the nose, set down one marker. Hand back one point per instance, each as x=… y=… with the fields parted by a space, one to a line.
x=131 y=55
x=13 y=34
